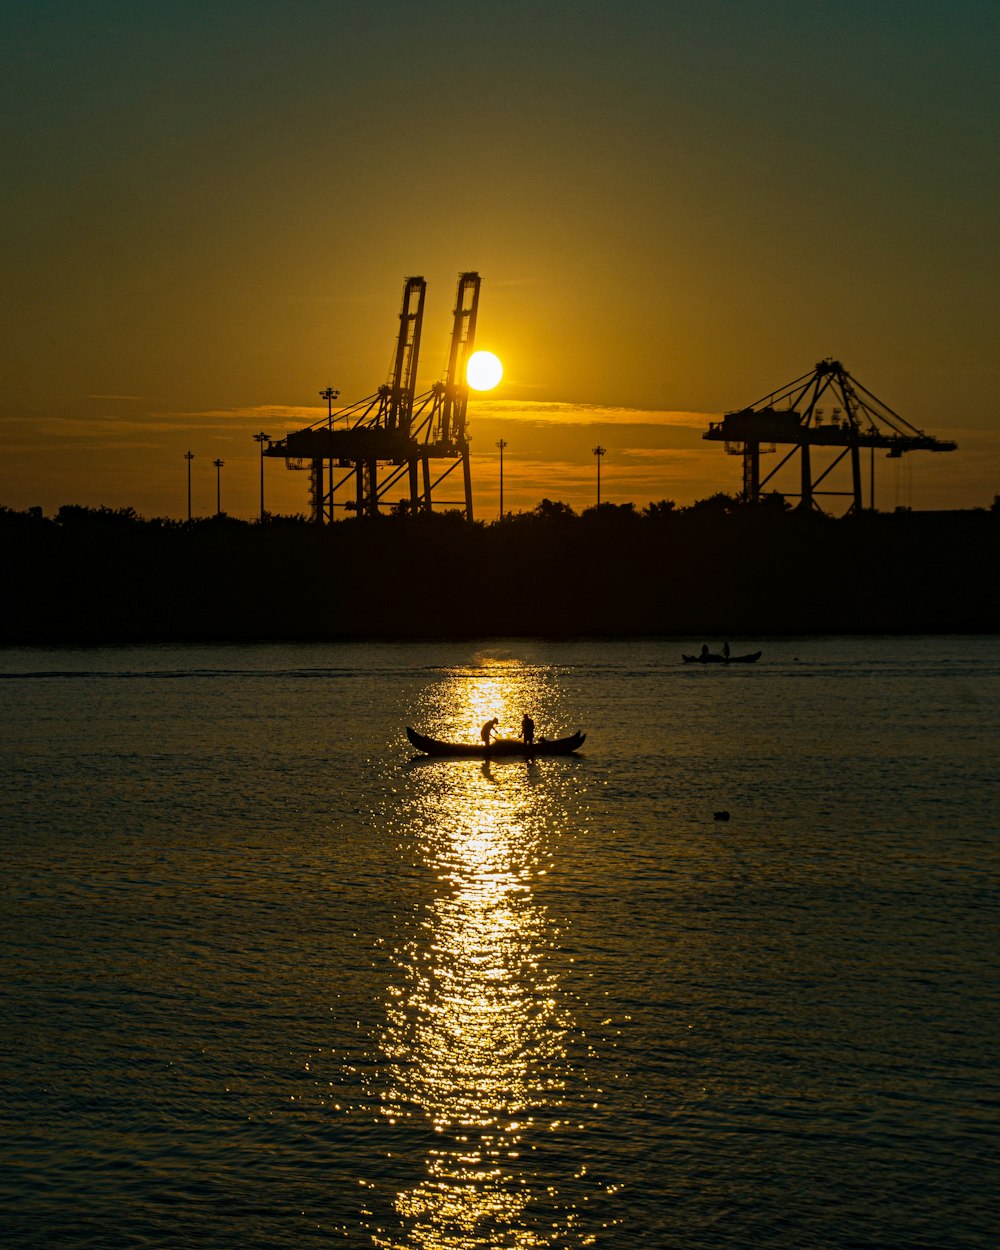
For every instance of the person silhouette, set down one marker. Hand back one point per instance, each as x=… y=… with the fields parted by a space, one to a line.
x=488 y=729
x=527 y=729
x=725 y=650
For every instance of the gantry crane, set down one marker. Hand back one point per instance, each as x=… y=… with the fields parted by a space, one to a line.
x=394 y=433
x=792 y=415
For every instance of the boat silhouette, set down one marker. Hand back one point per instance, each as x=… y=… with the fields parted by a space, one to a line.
x=497 y=749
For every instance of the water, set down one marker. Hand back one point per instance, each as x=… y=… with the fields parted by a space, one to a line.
x=268 y=982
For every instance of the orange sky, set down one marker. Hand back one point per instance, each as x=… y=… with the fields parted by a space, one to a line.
x=675 y=207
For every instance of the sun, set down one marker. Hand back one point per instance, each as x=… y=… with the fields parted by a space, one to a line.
x=483 y=371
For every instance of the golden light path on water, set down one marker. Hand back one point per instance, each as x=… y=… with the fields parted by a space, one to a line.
x=475 y=1034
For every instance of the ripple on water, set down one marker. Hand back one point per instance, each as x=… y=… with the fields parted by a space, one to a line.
x=265 y=983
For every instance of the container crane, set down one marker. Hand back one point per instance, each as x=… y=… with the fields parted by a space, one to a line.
x=792 y=415
x=394 y=433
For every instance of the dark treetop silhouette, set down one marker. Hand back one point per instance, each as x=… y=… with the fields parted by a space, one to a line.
x=717 y=569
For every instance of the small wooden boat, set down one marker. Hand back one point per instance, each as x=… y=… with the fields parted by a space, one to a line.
x=750 y=658
x=497 y=749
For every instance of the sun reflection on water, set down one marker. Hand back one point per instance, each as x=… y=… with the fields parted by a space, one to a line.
x=465 y=702
x=475 y=1038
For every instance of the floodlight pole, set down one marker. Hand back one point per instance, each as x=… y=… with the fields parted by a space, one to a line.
x=501 y=443
x=218 y=486
x=599 y=451
x=262 y=438
x=189 y=456
x=329 y=394
x=872 y=475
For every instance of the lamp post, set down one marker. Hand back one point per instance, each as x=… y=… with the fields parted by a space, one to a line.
x=218 y=486
x=501 y=443
x=189 y=456
x=599 y=451
x=262 y=438
x=330 y=394
x=871 y=470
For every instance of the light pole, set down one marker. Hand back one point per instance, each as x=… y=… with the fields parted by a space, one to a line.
x=262 y=438
x=599 y=451
x=871 y=468
x=189 y=456
x=501 y=443
x=218 y=486
x=330 y=394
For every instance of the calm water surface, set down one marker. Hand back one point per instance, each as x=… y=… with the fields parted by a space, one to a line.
x=269 y=982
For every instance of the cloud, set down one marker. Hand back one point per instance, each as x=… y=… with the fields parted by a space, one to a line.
x=585 y=414
x=664 y=455
x=134 y=399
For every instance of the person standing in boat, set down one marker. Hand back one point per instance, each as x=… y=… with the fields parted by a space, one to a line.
x=489 y=729
x=527 y=730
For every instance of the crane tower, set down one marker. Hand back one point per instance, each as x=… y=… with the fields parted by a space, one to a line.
x=392 y=438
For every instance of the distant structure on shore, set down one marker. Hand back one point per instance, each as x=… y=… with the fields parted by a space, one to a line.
x=397 y=441
x=393 y=437
x=791 y=416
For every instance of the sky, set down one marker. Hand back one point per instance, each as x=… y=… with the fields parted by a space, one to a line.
x=676 y=206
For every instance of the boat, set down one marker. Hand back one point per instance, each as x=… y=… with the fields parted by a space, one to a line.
x=498 y=749
x=751 y=658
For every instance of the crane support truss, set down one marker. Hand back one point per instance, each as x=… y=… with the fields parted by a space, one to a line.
x=791 y=415
x=388 y=441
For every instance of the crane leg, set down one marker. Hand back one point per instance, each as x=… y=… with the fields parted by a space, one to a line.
x=806 y=491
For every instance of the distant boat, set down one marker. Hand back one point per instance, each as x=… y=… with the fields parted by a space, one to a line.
x=497 y=749
x=751 y=658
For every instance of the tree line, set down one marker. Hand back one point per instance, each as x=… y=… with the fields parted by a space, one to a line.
x=718 y=568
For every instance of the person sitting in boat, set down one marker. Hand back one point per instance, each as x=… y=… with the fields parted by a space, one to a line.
x=489 y=729
x=527 y=730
